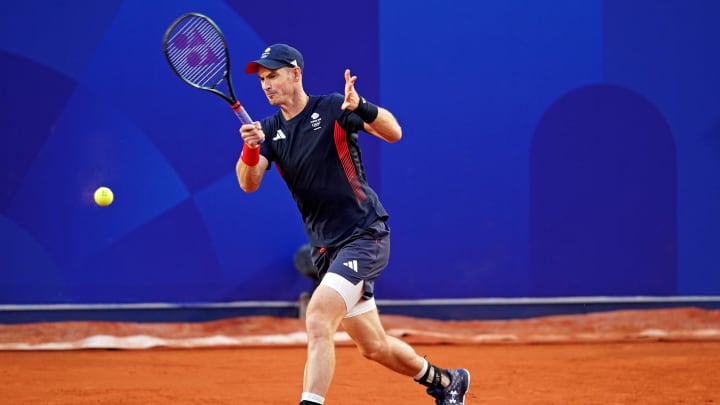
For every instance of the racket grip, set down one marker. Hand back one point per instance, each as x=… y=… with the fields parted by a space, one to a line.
x=243 y=115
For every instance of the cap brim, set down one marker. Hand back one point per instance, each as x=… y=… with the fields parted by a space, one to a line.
x=253 y=66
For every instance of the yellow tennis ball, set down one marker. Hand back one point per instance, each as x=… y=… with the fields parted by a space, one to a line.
x=103 y=196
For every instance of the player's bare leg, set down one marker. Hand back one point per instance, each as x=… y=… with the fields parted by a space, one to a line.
x=447 y=386
x=324 y=313
x=369 y=335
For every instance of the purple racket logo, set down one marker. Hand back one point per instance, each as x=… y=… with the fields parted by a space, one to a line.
x=192 y=41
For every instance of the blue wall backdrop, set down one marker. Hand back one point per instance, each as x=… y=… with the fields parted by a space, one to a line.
x=551 y=148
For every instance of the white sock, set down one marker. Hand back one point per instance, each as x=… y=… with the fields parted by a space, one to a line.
x=422 y=371
x=309 y=396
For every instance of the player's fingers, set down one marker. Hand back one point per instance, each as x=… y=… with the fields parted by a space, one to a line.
x=246 y=129
x=259 y=132
x=251 y=134
x=349 y=80
x=351 y=97
x=247 y=138
x=350 y=83
x=351 y=100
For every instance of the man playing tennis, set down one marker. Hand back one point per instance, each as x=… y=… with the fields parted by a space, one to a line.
x=313 y=142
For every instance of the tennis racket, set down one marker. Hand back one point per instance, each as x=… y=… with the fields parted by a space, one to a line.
x=197 y=52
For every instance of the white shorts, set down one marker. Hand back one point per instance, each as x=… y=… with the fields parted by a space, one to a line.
x=351 y=293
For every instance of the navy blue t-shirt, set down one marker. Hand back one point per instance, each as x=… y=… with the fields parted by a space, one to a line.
x=317 y=154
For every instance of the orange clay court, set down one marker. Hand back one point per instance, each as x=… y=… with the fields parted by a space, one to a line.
x=667 y=356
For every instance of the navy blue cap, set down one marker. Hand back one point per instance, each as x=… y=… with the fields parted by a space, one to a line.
x=275 y=57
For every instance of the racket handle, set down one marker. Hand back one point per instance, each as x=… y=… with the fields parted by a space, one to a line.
x=243 y=115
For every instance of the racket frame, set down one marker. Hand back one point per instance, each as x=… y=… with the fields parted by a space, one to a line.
x=230 y=98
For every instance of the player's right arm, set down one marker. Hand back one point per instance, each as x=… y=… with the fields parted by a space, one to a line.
x=251 y=165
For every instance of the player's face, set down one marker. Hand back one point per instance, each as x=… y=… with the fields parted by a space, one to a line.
x=278 y=84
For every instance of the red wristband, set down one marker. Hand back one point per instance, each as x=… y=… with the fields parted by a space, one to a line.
x=250 y=156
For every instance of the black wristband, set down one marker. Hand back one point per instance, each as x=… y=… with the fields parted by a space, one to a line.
x=366 y=110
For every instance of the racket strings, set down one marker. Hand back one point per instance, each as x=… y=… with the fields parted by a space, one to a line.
x=196 y=51
x=201 y=69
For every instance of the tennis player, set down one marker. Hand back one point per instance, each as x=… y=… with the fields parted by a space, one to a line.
x=313 y=142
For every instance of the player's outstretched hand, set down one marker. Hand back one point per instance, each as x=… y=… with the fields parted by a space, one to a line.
x=352 y=99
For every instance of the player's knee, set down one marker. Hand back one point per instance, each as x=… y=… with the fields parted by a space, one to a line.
x=374 y=349
x=318 y=328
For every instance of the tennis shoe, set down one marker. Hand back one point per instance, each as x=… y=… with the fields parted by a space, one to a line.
x=453 y=394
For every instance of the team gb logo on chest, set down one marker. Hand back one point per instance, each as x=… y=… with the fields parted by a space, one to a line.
x=315 y=121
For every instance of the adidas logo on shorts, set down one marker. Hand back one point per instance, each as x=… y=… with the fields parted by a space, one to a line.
x=352 y=264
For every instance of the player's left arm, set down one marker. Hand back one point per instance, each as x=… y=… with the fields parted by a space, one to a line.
x=378 y=121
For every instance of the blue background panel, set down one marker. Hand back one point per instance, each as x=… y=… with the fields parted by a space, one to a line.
x=556 y=148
